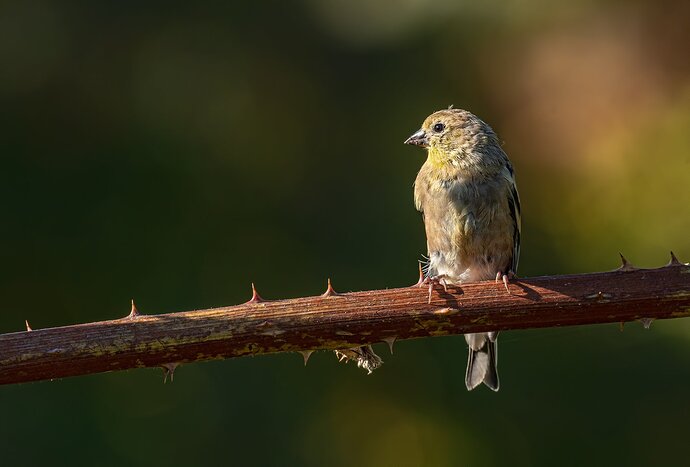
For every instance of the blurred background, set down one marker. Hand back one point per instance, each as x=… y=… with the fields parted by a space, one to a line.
x=175 y=154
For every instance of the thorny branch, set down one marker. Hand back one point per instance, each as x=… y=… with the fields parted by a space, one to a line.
x=341 y=321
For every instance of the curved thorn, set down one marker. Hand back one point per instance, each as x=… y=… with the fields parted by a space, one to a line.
x=330 y=291
x=626 y=265
x=306 y=354
x=28 y=327
x=390 y=341
x=133 y=312
x=169 y=370
x=256 y=298
x=674 y=261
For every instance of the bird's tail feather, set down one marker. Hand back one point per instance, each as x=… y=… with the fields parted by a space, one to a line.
x=481 y=362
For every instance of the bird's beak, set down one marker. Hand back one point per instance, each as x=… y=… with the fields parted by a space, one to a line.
x=418 y=139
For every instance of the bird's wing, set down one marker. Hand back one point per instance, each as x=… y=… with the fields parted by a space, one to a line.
x=514 y=207
x=419 y=192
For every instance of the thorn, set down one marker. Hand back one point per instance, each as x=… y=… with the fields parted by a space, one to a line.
x=626 y=265
x=28 y=328
x=390 y=341
x=646 y=322
x=133 y=312
x=674 y=261
x=306 y=354
x=169 y=370
x=330 y=292
x=621 y=325
x=256 y=298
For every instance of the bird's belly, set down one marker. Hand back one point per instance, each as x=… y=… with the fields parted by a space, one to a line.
x=464 y=248
x=468 y=270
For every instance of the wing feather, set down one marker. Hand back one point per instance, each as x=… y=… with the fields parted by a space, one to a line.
x=515 y=215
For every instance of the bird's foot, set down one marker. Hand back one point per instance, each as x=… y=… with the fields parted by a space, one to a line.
x=432 y=280
x=510 y=275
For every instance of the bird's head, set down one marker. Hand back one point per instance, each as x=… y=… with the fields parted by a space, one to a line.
x=457 y=138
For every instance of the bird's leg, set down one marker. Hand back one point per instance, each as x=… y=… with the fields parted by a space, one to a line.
x=505 y=278
x=431 y=280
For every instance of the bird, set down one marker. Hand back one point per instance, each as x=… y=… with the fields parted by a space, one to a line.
x=470 y=206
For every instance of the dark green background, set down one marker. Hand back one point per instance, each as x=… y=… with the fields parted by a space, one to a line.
x=175 y=154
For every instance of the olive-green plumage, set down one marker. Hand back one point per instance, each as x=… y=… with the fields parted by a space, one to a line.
x=466 y=192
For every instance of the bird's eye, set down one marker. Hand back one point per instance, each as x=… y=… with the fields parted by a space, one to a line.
x=439 y=127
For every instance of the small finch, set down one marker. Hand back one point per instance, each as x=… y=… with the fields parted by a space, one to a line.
x=469 y=202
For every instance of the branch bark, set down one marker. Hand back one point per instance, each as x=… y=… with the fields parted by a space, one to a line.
x=335 y=321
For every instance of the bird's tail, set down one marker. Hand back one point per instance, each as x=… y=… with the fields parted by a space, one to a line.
x=481 y=360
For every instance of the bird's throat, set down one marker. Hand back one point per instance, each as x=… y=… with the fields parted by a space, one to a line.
x=439 y=159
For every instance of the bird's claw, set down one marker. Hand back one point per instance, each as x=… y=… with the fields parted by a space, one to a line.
x=430 y=281
x=505 y=278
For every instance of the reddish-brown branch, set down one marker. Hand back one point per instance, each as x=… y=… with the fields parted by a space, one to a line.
x=334 y=320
